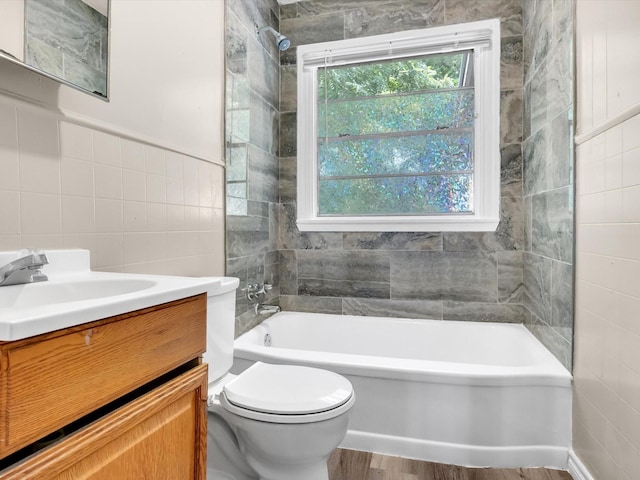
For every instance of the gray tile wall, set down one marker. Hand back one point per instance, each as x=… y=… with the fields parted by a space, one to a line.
x=521 y=273
x=458 y=276
x=252 y=119
x=548 y=172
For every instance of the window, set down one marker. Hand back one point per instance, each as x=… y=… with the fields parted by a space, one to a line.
x=400 y=132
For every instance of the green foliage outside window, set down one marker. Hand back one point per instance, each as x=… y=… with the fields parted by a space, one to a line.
x=391 y=77
x=396 y=137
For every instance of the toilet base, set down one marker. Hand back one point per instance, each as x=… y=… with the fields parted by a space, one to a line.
x=318 y=471
x=226 y=462
x=290 y=451
x=224 y=459
x=213 y=474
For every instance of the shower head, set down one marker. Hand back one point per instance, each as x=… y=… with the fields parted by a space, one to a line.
x=282 y=41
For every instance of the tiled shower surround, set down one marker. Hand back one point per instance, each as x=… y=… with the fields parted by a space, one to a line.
x=452 y=276
x=252 y=82
x=548 y=172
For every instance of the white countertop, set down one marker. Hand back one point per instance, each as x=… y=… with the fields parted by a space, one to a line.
x=36 y=308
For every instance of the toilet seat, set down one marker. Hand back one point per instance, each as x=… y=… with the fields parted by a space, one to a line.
x=287 y=394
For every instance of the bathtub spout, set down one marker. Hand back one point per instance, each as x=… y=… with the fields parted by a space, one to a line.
x=266 y=309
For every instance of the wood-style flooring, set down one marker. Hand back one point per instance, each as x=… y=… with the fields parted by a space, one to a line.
x=355 y=465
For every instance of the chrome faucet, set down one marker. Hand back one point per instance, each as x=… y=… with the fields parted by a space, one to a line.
x=256 y=293
x=24 y=270
x=263 y=309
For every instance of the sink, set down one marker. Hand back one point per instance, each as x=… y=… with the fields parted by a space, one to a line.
x=75 y=295
x=46 y=293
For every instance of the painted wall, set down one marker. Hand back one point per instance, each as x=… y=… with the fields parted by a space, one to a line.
x=548 y=172
x=252 y=110
x=166 y=89
x=12 y=31
x=454 y=276
x=139 y=180
x=606 y=418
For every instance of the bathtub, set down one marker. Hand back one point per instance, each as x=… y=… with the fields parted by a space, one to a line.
x=464 y=393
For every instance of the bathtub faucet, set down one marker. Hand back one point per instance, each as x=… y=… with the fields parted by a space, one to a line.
x=262 y=309
x=257 y=293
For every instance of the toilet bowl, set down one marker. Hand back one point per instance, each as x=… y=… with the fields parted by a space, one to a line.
x=271 y=422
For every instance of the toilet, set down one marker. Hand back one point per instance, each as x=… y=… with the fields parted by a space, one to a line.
x=271 y=422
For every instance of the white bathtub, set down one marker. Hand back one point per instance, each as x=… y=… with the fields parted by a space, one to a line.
x=465 y=393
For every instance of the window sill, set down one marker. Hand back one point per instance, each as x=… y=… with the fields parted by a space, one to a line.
x=390 y=224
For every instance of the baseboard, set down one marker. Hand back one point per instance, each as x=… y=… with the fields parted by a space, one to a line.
x=576 y=468
x=457 y=454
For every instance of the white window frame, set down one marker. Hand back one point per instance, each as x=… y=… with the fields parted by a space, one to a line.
x=483 y=38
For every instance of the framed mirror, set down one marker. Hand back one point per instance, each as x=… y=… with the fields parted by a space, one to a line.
x=66 y=40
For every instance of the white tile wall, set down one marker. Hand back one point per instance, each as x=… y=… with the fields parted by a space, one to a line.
x=606 y=416
x=607 y=343
x=607 y=85
x=137 y=207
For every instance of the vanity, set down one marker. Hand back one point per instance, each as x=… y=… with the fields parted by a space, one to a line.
x=99 y=380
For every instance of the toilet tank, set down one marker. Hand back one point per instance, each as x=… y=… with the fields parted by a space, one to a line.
x=221 y=318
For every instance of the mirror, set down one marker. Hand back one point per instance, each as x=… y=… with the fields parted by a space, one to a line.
x=66 y=40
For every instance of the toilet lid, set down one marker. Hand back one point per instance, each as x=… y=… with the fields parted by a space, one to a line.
x=288 y=389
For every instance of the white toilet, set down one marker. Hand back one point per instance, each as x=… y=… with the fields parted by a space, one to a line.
x=271 y=422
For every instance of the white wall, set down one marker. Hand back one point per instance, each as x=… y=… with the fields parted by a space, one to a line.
x=138 y=180
x=166 y=77
x=12 y=27
x=607 y=63
x=606 y=418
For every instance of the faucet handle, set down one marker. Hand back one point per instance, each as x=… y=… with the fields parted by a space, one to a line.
x=252 y=290
x=38 y=257
x=256 y=290
x=251 y=287
x=264 y=288
x=39 y=261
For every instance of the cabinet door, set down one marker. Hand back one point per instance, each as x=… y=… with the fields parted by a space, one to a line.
x=45 y=380
x=160 y=435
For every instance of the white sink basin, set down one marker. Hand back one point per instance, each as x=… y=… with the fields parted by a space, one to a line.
x=74 y=294
x=47 y=293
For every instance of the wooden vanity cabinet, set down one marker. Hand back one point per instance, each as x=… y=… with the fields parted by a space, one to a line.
x=129 y=391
